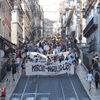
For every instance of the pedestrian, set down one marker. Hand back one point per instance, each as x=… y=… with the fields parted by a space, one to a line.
x=23 y=68
x=12 y=60
x=13 y=70
x=70 y=49
x=93 y=58
x=96 y=75
x=14 y=54
x=20 y=54
x=3 y=91
x=92 y=63
x=75 y=42
x=62 y=57
x=96 y=56
x=89 y=79
x=76 y=57
x=18 y=61
x=8 y=70
x=75 y=65
x=95 y=65
x=59 y=68
x=55 y=57
x=10 y=55
x=26 y=49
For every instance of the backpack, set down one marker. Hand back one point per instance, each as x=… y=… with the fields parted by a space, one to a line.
x=96 y=76
x=8 y=67
x=13 y=60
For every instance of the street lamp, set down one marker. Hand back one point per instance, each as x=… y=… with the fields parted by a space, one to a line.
x=98 y=10
x=83 y=11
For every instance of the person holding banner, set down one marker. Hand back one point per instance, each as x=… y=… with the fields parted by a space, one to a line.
x=48 y=60
x=55 y=58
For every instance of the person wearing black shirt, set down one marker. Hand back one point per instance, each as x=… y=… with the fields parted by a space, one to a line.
x=20 y=55
x=8 y=70
x=13 y=70
x=95 y=65
x=75 y=42
x=23 y=68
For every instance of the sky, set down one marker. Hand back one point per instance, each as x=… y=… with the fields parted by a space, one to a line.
x=50 y=8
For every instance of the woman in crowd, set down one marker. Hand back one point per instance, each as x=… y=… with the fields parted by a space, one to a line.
x=89 y=79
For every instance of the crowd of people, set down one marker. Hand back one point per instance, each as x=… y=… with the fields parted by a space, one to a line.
x=93 y=73
x=66 y=49
x=20 y=57
x=62 y=50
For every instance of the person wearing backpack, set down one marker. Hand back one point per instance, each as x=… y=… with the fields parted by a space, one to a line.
x=12 y=60
x=96 y=77
x=8 y=70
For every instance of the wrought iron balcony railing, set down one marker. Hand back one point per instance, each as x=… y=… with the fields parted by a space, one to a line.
x=91 y=27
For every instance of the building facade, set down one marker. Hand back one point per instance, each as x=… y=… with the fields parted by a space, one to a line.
x=17 y=23
x=49 y=27
x=20 y=21
x=70 y=12
x=5 y=25
x=91 y=28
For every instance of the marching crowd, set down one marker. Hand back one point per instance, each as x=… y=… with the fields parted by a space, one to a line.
x=20 y=57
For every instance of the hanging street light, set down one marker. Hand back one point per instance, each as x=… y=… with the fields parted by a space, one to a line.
x=83 y=11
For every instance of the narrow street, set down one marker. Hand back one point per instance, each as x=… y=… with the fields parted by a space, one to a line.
x=63 y=87
x=50 y=49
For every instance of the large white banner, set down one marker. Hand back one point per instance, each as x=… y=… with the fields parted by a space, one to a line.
x=53 y=69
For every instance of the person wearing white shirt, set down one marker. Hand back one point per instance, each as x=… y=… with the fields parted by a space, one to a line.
x=89 y=79
x=96 y=56
x=18 y=61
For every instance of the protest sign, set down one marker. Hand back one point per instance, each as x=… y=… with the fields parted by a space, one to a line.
x=53 y=69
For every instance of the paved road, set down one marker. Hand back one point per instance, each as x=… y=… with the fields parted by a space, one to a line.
x=49 y=88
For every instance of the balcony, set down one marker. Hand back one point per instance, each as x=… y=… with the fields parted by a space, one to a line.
x=27 y=14
x=72 y=30
x=91 y=27
x=89 y=7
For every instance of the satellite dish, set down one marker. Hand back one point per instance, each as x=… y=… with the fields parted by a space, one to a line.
x=2 y=53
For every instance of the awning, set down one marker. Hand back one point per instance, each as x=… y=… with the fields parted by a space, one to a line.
x=8 y=43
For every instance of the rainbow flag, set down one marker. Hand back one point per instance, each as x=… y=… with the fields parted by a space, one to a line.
x=45 y=40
